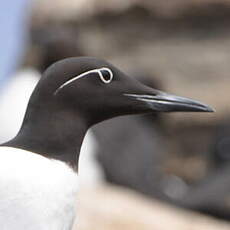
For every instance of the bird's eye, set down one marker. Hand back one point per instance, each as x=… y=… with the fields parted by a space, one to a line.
x=106 y=75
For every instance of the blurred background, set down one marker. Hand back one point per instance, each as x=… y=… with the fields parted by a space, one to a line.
x=182 y=47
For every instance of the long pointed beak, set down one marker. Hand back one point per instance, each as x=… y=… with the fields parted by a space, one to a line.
x=164 y=102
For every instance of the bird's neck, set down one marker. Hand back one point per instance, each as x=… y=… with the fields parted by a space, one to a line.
x=58 y=136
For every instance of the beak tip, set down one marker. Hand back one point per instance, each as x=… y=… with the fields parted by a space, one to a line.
x=204 y=108
x=210 y=109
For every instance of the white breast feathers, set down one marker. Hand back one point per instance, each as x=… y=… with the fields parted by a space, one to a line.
x=36 y=193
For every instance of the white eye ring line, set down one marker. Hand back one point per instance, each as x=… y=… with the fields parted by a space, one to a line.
x=86 y=73
x=102 y=77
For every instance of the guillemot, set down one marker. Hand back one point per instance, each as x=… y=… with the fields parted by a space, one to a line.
x=38 y=171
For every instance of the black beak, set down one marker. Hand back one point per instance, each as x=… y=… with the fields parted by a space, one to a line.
x=163 y=102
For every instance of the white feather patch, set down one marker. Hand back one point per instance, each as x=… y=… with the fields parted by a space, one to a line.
x=36 y=193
